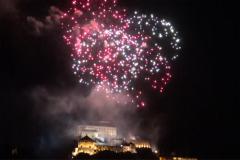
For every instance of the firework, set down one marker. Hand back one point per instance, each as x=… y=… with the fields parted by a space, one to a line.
x=114 y=51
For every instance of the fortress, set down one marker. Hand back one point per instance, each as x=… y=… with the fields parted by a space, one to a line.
x=95 y=138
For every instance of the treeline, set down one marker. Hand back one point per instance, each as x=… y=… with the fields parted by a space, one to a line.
x=142 y=154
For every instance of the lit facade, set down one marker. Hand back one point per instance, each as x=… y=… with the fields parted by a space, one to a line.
x=183 y=158
x=90 y=146
x=142 y=144
x=104 y=133
x=116 y=149
x=129 y=147
x=176 y=158
x=85 y=145
x=101 y=138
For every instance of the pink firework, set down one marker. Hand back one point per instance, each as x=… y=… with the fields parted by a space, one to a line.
x=115 y=52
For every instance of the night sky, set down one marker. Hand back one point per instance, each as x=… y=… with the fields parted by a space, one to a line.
x=197 y=114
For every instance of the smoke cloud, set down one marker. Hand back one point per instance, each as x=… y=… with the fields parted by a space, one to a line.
x=63 y=111
x=50 y=21
x=9 y=6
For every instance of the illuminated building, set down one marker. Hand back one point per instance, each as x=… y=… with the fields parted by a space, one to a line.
x=116 y=149
x=90 y=146
x=142 y=144
x=176 y=158
x=105 y=134
x=128 y=147
x=183 y=158
x=85 y=145
x=96 y=138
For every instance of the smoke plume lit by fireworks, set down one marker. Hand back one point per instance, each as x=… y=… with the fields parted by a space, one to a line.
x=113 y=49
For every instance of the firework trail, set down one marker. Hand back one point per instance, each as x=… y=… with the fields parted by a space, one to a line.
x=114 y=51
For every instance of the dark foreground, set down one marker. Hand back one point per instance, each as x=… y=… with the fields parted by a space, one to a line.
x=143 y=155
